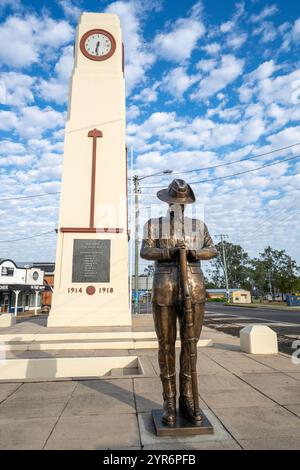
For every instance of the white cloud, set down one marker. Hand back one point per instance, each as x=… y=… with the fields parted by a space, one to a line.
x=177 y=81
x=281 y=89
x=212 y=48
x=296 y=30
x=8 y=120
x=291 y=34
x=16 y=88
x=132 y=112
x=235 y=41
x=267 y=31
x=180 y=39
x=227 y=26
x=206 y=64
x=179 y=43
x=288 y=136
x=70 y=10
x=263 y=71
x=27 y=38
x=283 y=114
x=13 y=4
x=218 y=78
x=252 y=130
x=31 y=121
x=137 y=58
x=17 y=161
x=148 y=94
x=9 y=147
x=269 y=10
x=56 y=88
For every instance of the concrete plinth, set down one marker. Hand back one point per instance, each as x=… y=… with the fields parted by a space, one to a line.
x=7 y=320
x=258 y=339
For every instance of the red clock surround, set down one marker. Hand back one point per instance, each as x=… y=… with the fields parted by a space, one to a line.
x=97 y=31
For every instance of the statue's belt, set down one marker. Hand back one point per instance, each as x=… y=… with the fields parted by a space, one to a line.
x=175 y=264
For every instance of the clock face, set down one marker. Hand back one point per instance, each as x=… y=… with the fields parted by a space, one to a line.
x=97 y=44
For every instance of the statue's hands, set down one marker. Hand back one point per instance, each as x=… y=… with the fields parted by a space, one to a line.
x=192 y=255
x=173 y=250
x=180 y=244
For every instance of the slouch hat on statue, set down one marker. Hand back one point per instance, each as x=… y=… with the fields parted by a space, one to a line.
x=178 y=192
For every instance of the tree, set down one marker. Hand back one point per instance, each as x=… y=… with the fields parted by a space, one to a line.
x=275 y=271
x=238 y=267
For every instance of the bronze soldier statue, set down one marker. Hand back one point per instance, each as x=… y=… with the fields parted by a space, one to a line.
x=164 y=238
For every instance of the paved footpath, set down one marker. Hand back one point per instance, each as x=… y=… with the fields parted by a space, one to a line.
x=252 y=401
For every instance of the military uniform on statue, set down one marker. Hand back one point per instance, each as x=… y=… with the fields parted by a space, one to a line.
x=164 y=239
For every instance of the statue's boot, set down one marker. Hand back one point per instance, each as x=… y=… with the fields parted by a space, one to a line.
x=186 y=401
x=169 y=396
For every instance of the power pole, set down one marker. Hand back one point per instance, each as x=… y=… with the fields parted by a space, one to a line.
x=222 y=236
x=137 y=191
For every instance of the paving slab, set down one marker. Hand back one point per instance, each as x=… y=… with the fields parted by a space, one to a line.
x=20 y=408
x=236 y=362
x=294 y=375
x=25 y=434
x=279 y=362
x=259 y=422
x=93 y=397
x=149 y=438
x=294 y=409
x=147 y=385
x=282 y=443
x=44 y=390
x=117 y=386
x=67 y=353
x=207 y=366
x=7 y=389
x=95 y=432
x=228 y=444
x=281 y=388
x=98 y=405
x=234 y=398
x=221 y=382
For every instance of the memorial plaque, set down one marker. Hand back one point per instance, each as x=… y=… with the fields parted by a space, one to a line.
x=91 y=261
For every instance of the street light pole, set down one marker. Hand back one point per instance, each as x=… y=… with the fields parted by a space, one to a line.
x=137 y=190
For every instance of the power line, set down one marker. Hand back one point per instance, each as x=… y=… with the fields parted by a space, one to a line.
x=176 y=173
x=26 y=238
x=27 y=197
x=236 y=161
x=235 y=174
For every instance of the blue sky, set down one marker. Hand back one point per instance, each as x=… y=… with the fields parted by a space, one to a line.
x=208 y=82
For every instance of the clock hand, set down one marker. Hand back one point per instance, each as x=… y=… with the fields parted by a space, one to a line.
x=97 y=45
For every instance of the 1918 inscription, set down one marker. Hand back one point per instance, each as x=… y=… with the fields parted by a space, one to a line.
x=91 y=261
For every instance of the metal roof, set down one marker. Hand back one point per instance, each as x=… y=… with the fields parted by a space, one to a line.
x=224 y=290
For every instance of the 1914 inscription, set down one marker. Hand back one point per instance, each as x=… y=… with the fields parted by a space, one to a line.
x=91 y=261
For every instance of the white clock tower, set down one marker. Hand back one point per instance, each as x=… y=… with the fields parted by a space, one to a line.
x=91 y=273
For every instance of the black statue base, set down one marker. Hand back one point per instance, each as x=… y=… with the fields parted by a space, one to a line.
x=182 y=427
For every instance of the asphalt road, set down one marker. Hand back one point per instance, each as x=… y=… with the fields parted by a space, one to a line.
x=232 y=319
x=264 y=314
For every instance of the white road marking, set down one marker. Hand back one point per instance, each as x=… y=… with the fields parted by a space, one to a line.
x=254 y=318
